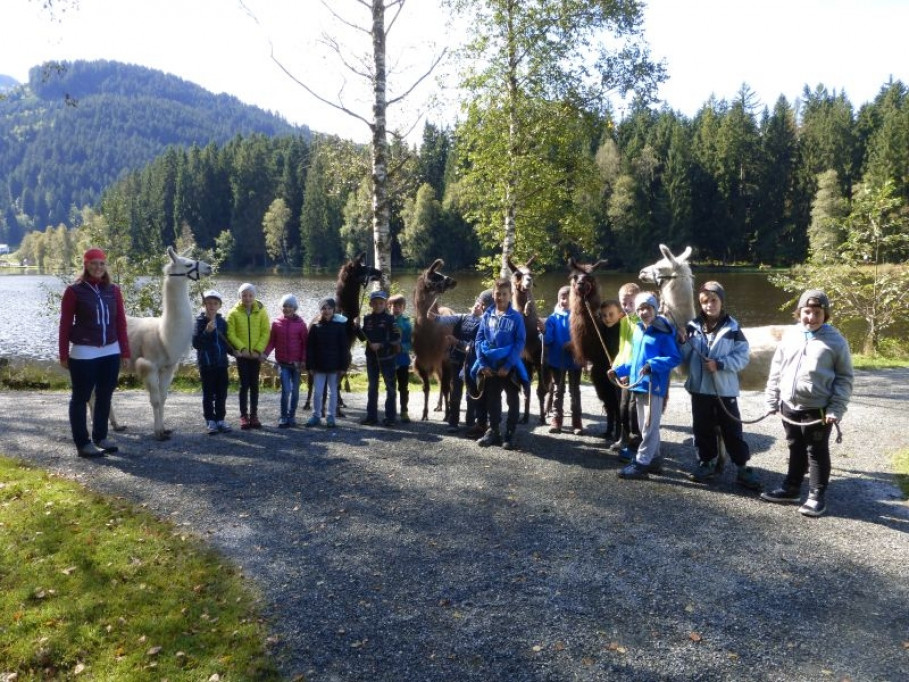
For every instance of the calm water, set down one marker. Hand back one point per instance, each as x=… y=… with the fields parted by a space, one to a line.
x=29 y=329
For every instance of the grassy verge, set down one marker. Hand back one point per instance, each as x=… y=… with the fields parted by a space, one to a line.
x=96 y=587
x=901 y=470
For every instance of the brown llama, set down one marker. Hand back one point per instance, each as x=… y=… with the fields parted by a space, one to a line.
x=587 y=331
x=523 y=302
x=430 y=346
x=353 y=277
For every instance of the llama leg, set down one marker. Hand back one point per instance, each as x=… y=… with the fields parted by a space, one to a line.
x=542 y=391
x=165 y=377
x=307 y=404
x=424 y=375
x=525 y=417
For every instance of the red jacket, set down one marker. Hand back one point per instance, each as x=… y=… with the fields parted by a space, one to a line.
x=288 y=339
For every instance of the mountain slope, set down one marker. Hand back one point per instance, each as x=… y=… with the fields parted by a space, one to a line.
x=69 y=133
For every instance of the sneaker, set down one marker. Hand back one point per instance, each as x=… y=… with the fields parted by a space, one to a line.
x=283 y=423
x=626 y=455
x=291 y=422
x=223 y=426
x=388 y=421
x=748 y=479
x=369 y=421
x=490 y=438
x=329 y=422
x=90 y=450
x=577 y=428
x=815 y=505
x=405 y=418
x=211 y=426
x=107 y=445
x=634 y=472
x=508 y=441
x=782 y=495
x=617 y=446
x=555 y=426
x=314 y=421
x=244 y=423
x=254 y=422
x=704 y=471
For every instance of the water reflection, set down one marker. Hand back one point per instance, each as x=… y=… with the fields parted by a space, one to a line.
x=30 y=327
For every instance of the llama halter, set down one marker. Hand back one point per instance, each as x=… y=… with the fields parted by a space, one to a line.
x=193 y=272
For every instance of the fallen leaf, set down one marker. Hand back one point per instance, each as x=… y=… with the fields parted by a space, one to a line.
x=695 y=637
x=537 y=648
x=560 y=646
x=79 y=669
x=154 y=651
x=67 y=571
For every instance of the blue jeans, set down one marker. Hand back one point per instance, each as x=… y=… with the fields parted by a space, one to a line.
x=290 y=390
x=98 y=375
x=385 y=367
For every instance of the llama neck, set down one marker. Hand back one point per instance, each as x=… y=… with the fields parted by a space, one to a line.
x=176 y=311
x=678 y=299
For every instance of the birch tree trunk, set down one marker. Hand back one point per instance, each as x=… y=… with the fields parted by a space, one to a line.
x=380 y=216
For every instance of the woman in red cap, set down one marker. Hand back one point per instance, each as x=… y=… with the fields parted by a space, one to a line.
x=92 y=342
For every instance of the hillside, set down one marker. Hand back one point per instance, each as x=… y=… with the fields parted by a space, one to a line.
x=69 y=133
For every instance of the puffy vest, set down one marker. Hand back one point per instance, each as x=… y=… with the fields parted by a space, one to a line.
x=96 y=315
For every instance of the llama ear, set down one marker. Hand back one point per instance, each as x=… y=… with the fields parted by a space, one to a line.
x=436 y=264
x=572 y=264
x=685 y=255
x=667 y=254
x=361 y=257
x=530 y=260
x=600 y=263
x=510 y=264
x=172 y=254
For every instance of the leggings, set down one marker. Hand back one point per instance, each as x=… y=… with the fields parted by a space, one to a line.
x=248 y=369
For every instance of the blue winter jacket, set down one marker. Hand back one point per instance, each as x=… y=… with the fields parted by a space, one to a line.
x=556 y=334
x=500 y=342
x=727 y=345
x=655 y=346
x=211 y=347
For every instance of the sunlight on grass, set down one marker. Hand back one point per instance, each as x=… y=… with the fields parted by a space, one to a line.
x=95 y=586
x=901 y=469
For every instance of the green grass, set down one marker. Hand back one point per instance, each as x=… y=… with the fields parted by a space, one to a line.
x=95 y=587
x=901 y=469
x=871 y=362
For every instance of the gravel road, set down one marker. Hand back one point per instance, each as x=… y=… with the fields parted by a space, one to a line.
x=408 y=554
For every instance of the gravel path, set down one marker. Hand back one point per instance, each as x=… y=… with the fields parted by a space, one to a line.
x=409 y=554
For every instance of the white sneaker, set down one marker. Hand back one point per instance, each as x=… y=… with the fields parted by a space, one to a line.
x=212 y=426
x=223 y=426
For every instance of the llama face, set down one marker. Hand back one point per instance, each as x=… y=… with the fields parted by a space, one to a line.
x=180 y=266
x=521 y=276
x=668 y=267
x=583 y=284
x=364 y=274
x=437 y=282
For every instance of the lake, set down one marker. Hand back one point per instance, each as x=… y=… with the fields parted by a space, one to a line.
x=29 y=330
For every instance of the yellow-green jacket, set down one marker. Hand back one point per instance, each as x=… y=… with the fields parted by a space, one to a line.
x=248 y=331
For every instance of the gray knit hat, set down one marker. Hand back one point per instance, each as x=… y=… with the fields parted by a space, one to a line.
x=327 y=303
x=289 y=299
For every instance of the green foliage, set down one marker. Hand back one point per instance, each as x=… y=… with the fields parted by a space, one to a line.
x=95 y=587
x=276 y=225
x=867 y=280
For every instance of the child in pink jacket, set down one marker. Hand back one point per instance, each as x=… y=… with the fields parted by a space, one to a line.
x=288 y=340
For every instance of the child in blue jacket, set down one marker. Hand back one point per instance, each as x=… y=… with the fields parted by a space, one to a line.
x=562 y=365
x=654 y=354
x=499 y=344
x=210 y=342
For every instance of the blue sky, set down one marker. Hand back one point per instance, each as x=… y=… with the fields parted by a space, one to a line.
x=710 y=46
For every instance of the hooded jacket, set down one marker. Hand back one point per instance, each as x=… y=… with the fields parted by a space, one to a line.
x=500 y=342
x=655 y=346
x=248 y=331
x=727 y=345
x=811 y=370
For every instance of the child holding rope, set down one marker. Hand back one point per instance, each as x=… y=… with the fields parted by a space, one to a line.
x=212 y=350
x=562 y=365
x=654 y=354
x=810 y=385
x=716 y=351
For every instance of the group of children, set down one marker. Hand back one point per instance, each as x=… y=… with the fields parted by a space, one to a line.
x=810 y=381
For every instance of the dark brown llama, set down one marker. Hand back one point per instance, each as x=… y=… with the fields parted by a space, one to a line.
x=523 y=302
x=587 y=331
x=353 y=277
x=430 y=346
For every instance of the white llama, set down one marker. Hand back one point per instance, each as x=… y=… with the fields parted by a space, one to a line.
x=157 y=344
x=673 y=276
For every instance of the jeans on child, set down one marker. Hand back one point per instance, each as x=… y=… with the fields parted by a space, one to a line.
x=290 y=390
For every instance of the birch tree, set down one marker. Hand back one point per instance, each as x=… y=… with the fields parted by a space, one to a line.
x=369 y=21
x=537 y=71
